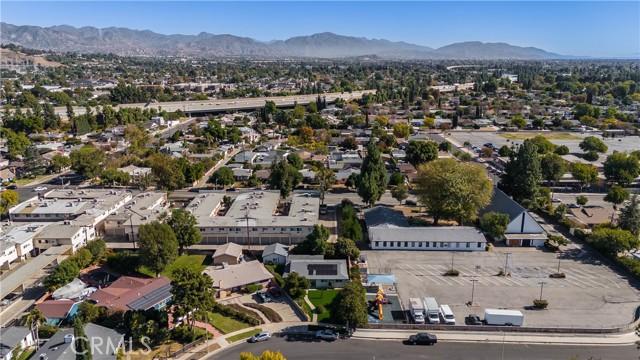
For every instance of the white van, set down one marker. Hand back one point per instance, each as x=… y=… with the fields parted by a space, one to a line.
x=447 y=315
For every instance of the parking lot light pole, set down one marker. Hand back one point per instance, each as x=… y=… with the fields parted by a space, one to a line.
x=506 y=262
x=453 y=254
x=541 y=287
x=559 y=265
x=473 y=288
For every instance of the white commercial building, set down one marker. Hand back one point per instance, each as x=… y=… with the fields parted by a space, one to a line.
x=255 y=218
x=142 y=209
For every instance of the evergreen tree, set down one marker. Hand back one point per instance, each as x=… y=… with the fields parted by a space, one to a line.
x=81 y=344
x=630 y=216
x=523 y=174
x=373 y=176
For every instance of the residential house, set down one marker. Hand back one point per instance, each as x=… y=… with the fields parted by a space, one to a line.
x=104 y=344
x=14 y=338
x=16 y=243
x=64 y=233
x=322 y=273
x=57 y=312
x=343 y=175
x=523 y=230
x=236 y=277
x=136 y=171
x=133 y=293
x=6 y=175
x=241 y=174
x=275 y=254
x=591 y=215
x=229 y=253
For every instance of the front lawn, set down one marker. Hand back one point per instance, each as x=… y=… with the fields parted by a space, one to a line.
x=196 y=262
x=323 y=298
x=26 y=354
x=226 y=324
x=548 y=135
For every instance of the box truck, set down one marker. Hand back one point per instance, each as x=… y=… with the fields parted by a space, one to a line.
x=503 y=317
x=431 y=310
x=416 y=308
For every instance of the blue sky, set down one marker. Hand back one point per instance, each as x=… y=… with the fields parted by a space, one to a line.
x=572 y=28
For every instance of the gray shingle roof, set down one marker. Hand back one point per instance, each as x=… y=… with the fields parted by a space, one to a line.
x=502 y=203
x=10 y=338
x=437 y=234
x=276 y=248
x=319 y=269
x=57 y=349
x=381 y=216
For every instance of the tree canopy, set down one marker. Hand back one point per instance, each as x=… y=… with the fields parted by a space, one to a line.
x=630 y=216
x=621 y=168
x=158 y=246
x=284 y=177
x=495 y=224
x=373 y=176
x=453 y=190
x=350 y=306
x=184 y=225
x=522 y=175
x=296 y=285
x=193 y=294
x=223 y=176
x=420 y=152
x=592 y=143
x=86 y=161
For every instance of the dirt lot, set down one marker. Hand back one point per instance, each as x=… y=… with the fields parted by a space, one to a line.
x=592 y=295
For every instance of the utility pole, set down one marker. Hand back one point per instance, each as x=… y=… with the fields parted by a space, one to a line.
x=559 y=266
x=453 y=254
x=541 y=287
x=473 y=288
x=133 y=235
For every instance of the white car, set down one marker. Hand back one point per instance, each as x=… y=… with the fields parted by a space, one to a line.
x=326 y=335
x=40 y=188
x=261 y=336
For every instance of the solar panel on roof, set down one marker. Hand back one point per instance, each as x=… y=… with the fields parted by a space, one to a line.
x=323 y=269
x=147 y=301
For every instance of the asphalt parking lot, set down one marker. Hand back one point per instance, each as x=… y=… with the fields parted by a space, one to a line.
x=592 y=295
x=477 y=138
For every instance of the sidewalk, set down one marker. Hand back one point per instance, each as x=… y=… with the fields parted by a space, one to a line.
x=492 y=337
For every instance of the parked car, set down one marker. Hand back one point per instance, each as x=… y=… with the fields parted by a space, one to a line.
x=264 y=296
x=556 y=200
x=231 y=189
x=329 y=335
x=12 y=187
x=572 y=205
x=423 y=339
x=261 y=336
x=323 y=209
x=473 y=319
x=410 y=203
x=40 y=188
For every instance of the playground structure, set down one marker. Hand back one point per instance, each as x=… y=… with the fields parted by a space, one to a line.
x=380 y=299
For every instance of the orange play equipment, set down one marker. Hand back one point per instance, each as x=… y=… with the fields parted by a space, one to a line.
x=381 y=299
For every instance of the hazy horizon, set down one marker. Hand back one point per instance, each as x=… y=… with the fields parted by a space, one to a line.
x=578 y=28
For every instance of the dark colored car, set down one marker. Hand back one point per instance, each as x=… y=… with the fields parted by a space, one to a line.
x=231 y=189
x=410 y=203
x=423 y=339
x=12 y=186
x=473 y=320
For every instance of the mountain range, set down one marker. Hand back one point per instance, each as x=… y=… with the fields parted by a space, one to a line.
x=128 y=42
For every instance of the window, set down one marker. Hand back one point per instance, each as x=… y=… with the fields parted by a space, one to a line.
x=419 y=244
x=468 y=245
x=376 y=243
x=406 y=244
x=479 y=244
x=384 y=244
x=254 y=229
x=299 y=229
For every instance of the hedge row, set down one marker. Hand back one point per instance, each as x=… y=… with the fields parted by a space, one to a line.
x=251 y=313
x=229 y=311
x=271 y=314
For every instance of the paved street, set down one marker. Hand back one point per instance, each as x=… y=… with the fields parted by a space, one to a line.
x=383 y=350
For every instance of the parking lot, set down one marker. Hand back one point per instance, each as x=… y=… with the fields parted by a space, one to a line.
x=628 y=144
x=592 y=295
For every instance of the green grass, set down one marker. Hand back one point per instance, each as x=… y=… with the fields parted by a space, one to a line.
x=244 y=335
x=26 y=354
x=226 y=324
x=196 y=262
x=323 y=298
x=549 y=136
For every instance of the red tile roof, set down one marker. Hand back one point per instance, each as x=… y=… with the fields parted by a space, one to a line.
x=55 y=309
x=125 y=290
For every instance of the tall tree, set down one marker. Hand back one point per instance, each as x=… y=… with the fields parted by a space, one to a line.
x=621 y=168
x=373 y=176
x=158 y=246
x=81 y=344
x=284 y=177
x=495 y=224
x=296 y=285
x=420 y=152
x=326 y=178
x=8 y=198
x=592 y=143
x=193 y=294
x=351 y=308
x=223 y=176
x=167 y=172
x=184 y=225
x=400 y=192
x=522 y=175
x=630 y=216
x=453 y=190
x=295 y=160
x=86 y=161
x=315 y=243
x=585 y=174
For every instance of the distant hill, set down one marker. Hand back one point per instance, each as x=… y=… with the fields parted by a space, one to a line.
x=128 y=42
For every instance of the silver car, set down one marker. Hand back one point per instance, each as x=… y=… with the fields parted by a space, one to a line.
x=261 y=336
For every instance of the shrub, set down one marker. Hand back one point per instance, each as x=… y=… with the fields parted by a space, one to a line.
x=186 y=335
x=558 y=276
x=540 y=304
x=46 y=331
x=502 y=273
x=320 y=309
x=452 y=272
x=248 y=312
x=271 y=314
x=253 y=288
x=550 y=246
x=228 y=311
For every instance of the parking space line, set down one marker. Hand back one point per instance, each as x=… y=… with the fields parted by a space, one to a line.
x=586 y=280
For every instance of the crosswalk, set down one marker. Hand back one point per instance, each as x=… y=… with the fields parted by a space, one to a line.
x=520 y=276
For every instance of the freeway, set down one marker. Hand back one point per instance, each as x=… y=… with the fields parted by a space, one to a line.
x=203 y=106
x=382 y=350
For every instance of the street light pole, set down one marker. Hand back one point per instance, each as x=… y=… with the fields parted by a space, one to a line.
x=453 y=254
x=541 y=287
x=559 y=266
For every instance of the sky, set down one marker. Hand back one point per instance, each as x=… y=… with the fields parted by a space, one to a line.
x=580 y=28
